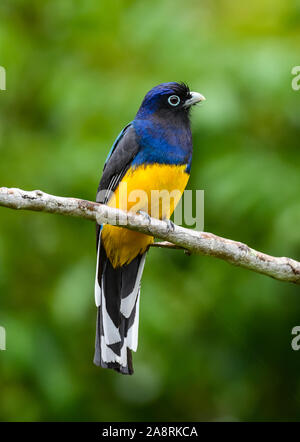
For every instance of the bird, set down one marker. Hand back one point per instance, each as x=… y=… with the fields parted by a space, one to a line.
x=152 y=153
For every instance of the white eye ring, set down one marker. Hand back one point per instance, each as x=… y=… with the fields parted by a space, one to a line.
x=174 y=100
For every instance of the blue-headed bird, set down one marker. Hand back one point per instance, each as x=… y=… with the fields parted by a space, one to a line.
x=153 y=152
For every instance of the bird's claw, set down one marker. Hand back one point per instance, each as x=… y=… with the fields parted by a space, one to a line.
x=170 y=225
x=145 y=215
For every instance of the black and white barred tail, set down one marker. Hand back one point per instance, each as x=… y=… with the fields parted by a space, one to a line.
x=117 y=296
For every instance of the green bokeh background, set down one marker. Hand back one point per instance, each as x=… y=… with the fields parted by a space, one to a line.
x=215 y=340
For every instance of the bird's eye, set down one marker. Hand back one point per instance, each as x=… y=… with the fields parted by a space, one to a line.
x=174 y=100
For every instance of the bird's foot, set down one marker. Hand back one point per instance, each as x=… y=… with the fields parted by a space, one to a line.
x=145 y=215
x=170 y=225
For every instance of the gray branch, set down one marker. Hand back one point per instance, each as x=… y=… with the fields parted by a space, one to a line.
x=202 y=243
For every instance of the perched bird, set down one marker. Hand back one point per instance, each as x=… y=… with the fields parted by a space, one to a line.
x=153 y=152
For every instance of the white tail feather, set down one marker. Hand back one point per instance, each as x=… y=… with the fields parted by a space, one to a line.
x=133 y=332
x=97 y=285
x=128 y=303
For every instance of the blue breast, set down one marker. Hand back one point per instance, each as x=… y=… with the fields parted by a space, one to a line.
x=163 y=143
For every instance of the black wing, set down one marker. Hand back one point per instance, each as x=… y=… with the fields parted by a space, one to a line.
x=123 y=151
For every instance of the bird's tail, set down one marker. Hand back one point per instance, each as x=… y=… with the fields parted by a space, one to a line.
x=117 y=293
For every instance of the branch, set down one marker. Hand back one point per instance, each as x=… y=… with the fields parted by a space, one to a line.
x=202 y=243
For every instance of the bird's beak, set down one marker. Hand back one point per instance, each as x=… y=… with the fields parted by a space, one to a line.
x=196 y=98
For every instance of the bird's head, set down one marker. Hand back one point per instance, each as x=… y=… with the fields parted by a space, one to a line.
x=169 y=99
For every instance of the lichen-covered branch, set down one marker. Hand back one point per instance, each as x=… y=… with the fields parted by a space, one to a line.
x=203 y=243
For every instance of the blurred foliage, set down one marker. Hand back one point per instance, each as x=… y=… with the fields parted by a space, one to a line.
x=215 y=340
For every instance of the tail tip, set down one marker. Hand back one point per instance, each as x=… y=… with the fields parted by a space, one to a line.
x=128 y=369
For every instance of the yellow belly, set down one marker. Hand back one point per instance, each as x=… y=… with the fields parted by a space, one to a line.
x=155 y=189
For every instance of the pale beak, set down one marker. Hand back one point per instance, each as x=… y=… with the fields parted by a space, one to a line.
x=196 y=98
